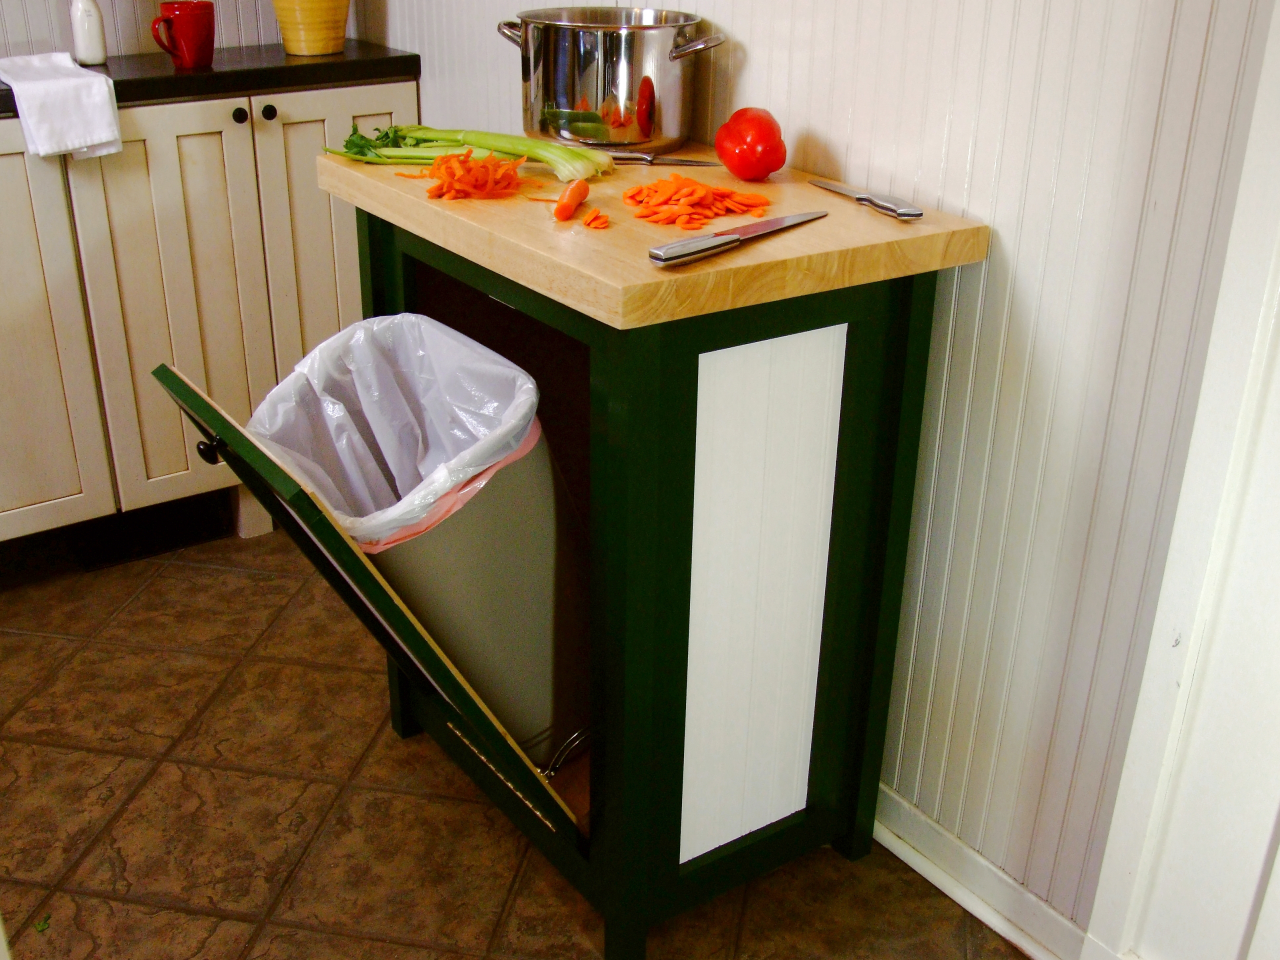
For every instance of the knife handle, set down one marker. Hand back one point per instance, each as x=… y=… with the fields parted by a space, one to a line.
x=890 y=205
x=687 y=251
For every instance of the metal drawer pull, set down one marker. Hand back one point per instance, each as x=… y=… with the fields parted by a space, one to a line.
x=268 y=112
x=240 y=115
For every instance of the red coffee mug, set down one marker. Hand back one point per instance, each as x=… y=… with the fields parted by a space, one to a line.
x=189 y=24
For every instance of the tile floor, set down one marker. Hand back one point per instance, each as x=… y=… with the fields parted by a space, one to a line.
x=196 y=762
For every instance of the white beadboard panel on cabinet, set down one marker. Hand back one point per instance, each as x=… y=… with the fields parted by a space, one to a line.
x=54 y=467
x=171 y=248
x=1101 y=140
x=313 y=268
x=764 y=473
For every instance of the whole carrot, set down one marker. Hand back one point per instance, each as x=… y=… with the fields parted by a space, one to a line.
x=570 y=199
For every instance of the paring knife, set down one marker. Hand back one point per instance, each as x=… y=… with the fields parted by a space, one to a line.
x=891 y=206
x=687 y=251
x=658 y=160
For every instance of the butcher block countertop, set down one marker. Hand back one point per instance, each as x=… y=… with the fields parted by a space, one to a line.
x=606 y=274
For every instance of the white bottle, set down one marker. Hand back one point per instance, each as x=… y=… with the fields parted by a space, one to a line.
x=89 y=36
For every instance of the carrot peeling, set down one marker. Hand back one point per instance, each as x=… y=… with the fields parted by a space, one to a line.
x=458 y=177
x=688 y=204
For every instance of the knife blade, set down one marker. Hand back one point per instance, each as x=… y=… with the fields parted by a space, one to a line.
x=687 y=251
x=890 y=206
x=657 y=160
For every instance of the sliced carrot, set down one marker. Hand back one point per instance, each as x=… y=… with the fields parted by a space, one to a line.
x=688 y=204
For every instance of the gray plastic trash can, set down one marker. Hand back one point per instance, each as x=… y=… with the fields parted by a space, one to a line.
x=425 y=446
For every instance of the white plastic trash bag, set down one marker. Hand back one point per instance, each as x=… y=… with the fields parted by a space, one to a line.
x=385 y=419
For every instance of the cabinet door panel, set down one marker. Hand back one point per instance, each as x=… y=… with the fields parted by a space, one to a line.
x=171 y=243
x=135 y=248
x=40 y=455
x=213 y=270
x=54 y=466
x=312 y=259
x=311 y=218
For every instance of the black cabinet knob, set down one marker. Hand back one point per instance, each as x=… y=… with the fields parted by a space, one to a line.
x=240 y=115
x=268 y=112
x=208 y=451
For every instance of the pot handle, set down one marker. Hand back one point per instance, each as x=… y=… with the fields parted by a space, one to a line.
x=697 y=46
x=511 y=30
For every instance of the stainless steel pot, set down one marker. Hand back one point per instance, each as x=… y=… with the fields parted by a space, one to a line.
x=608 y=76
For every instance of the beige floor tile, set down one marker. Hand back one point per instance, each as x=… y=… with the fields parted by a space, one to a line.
x=308 y=721
x=271 y=553
x=707 y=932
x=77 y=604
x=206 y=839
x=286 y=943
x=52 y=802
x=426 y=871
x=986 y=944
x=116 y=698
x=17 y=900
x=203 y=608
x=822 y=907
x=415 y=765
x=26 y=662
x=550 y=920
x=87 y=927
x=318 y=627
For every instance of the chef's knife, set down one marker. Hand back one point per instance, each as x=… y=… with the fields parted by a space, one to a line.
x=885 y=204
x=687 y=251
x=658 y=160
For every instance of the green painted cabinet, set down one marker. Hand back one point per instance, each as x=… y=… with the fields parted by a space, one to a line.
x=647 y=425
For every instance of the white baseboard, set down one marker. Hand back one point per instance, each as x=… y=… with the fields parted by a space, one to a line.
x=1095 y=950
x=974 y=882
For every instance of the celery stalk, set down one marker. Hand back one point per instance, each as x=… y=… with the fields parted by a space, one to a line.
x=438 y=150
x=568 y=162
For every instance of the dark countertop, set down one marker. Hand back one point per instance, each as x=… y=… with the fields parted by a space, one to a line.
x=151 y=77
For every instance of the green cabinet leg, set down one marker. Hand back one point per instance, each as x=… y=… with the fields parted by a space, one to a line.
x=403 y=721
x=625 y=939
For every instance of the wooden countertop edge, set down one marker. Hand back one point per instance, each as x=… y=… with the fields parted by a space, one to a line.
x=752 y=284
x=680 y=293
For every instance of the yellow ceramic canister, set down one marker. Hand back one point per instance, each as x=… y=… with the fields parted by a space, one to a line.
x=311 y=28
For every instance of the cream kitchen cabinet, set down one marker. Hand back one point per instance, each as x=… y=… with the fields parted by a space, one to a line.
x=171 y=248
x=53 y=456
x=313 y=270
x=171 y=234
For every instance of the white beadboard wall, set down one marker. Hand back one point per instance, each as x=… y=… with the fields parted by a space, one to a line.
x=39 y=26
x=1101 y=139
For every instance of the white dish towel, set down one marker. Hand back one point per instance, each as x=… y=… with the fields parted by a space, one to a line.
x=64 y=108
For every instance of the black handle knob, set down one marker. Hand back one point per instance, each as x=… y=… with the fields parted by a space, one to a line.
x=268 y=112
x=240 y=115
x=208 y=451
